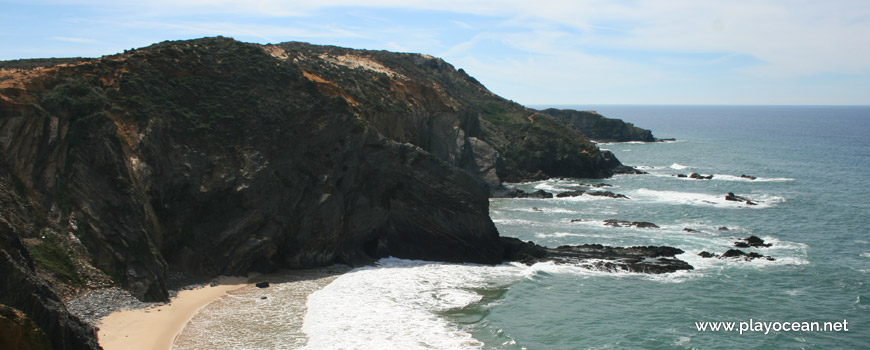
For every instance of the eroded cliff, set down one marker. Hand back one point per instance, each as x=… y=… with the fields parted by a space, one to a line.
x=213 y=156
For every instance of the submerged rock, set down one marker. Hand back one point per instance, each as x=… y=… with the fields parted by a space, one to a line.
x=706 y=254
x=642 y=259
x=626 y=223
x=735 y=198
x=599 y=185
x=574 y=193
x=736 y=254
x=755 y=241
x=517 y=193
x=607 y=194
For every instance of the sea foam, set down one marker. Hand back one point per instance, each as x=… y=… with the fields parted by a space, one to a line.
x=396 y=305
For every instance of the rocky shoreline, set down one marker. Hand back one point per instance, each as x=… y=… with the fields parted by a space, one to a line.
x=94 y=304
x=218 y=157
x=638 y=259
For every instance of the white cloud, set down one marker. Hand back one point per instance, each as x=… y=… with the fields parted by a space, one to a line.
x=564 y=44
x=795 y=36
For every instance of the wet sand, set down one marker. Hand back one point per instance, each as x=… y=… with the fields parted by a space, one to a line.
x=156 y=327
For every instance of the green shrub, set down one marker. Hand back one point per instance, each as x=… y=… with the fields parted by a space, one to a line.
x=52 y=256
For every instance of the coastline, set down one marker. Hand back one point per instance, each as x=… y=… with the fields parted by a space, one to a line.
x=156 y=327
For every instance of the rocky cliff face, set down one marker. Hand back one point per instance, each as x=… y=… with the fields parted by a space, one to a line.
x=425 y=101
x=600 y=128
x=24 y=288
x=213 y=156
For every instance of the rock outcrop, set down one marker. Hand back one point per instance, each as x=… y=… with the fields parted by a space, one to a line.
x=600 y=128
x=644 y=259
x=626 y=223
x=735 y=198
x=425 y=101
x=24 y=288
x=17 y=331
x=213 y=156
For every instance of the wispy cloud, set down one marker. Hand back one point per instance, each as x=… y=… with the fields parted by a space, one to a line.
x=531 y=50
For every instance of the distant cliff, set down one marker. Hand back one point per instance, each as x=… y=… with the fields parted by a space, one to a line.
x=213 y=156
x=600 y=128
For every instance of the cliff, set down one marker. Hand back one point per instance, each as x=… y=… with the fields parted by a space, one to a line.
x=213 y=156
x=600 y=128
x=425 y=101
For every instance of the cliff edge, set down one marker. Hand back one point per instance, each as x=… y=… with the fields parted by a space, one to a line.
x=213 y=156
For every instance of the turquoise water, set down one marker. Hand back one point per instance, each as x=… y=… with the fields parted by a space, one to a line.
x=812 y=165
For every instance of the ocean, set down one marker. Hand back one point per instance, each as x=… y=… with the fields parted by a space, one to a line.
x=811 y=163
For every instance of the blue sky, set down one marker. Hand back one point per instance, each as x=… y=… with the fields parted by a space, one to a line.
x=533 y=52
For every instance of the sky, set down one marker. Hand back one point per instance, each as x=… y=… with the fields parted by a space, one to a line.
x=724 y=52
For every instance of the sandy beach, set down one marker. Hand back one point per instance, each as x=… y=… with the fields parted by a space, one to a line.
x=157 y=327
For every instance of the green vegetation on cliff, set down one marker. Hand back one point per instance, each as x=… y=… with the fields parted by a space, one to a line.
x=213 y=156
x=402 y=95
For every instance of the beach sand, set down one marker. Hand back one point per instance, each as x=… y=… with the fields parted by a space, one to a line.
x=156 y=327
x=255 y=318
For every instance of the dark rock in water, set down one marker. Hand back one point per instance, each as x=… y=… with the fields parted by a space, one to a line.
x=263 y=284
x=706 y=254
x=741 y=244
x=624 y=169
x=689 y=230
x=755 y=241
x=732 y=253
x=737 y=253
x=536 y=209
x=644 y=224
x=536 y=194
x=617 y=223
x=597 y=185
x=626 y=223
x=666 y=140
x=570 y=194
x=645 y=259
x=607 y=194
x=524 y=252
x=700 y=177
x=748 y=177
x=263 y=297
x=517 y=193
x=682 y=175
x=576 y=220
x=723 y=228
x=735 y=198
x=503 y=192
